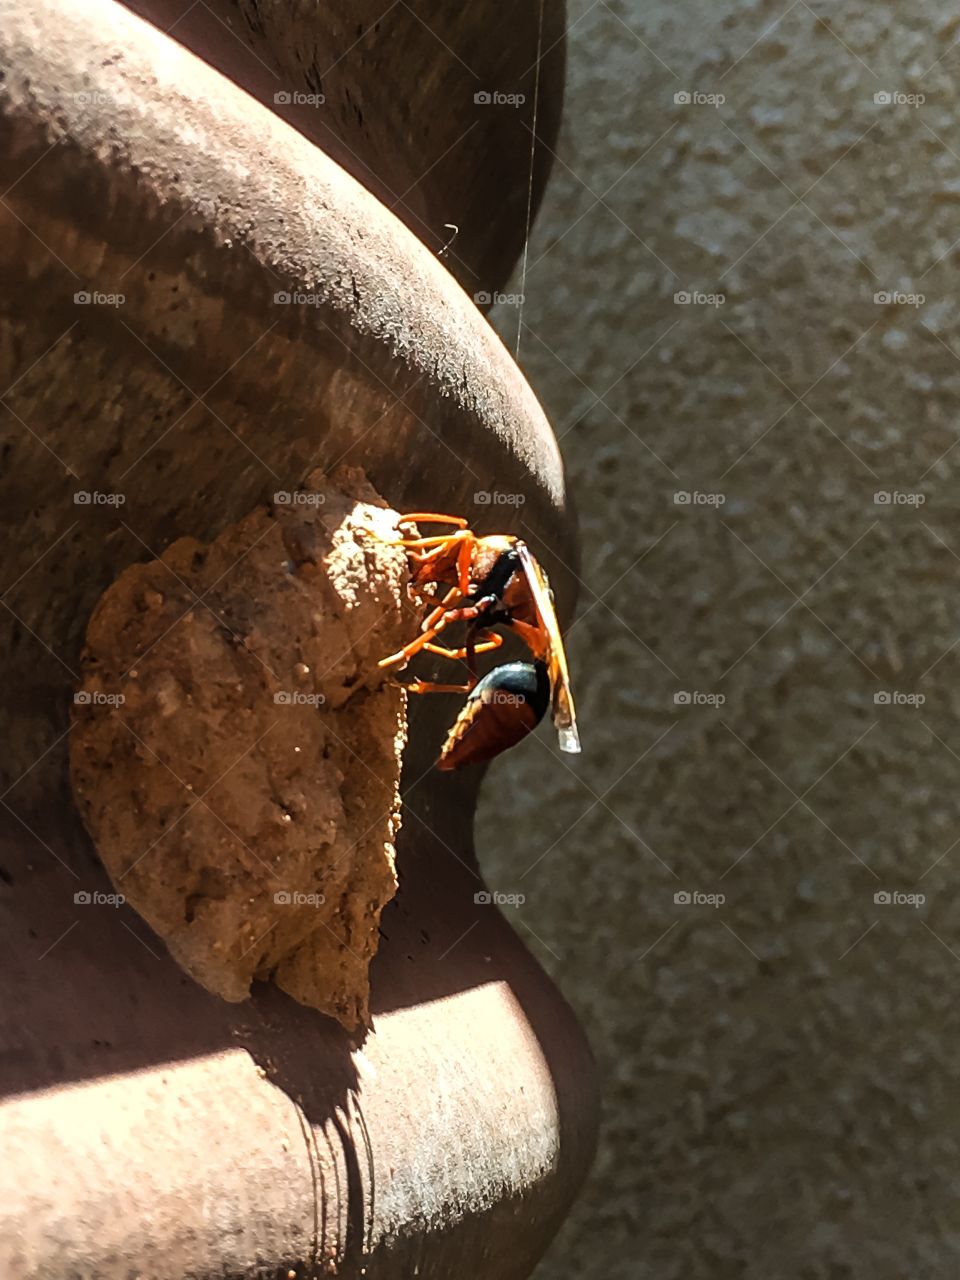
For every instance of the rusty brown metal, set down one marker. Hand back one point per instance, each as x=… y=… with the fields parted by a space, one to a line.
x=387 y=90
x=148 y=1127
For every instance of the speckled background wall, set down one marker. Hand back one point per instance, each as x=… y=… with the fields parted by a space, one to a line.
x=768 y=672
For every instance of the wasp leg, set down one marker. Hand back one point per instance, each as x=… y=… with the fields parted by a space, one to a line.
x=408 y=650
x=439 y=544
x=414 y=647
x=428 y=686
x=467 y=614
x=535 y=638
x=487 y=645
x=488 y=640
x=432 y=517
x=464 y=563
x=439 y=541
x=452 y=597
x=462 y=590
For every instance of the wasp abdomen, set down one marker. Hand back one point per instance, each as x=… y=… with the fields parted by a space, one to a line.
x=505 y=706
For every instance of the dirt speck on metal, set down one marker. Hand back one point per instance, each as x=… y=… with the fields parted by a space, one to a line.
x=236 y=751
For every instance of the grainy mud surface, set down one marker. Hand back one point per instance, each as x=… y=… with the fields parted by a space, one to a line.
x=243 y=795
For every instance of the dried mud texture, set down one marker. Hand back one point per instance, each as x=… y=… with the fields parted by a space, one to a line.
x=244 y=795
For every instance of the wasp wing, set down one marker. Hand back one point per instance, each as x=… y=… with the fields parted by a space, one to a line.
x=562 y=709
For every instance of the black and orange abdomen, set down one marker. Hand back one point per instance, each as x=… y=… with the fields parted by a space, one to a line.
x=506 y=705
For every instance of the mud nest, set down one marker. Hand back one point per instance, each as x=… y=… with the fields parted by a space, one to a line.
x=236 y=751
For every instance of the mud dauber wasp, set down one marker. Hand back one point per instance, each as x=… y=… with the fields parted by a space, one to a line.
x=492 y=581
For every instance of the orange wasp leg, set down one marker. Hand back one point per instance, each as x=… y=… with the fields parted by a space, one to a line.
x=428 y=686
x=494 y=641
x=432 y=517
x=439 y=541
x=408 y=650
x=453 y=596
x=464 y=562
x=415 y=645
x=424 y=639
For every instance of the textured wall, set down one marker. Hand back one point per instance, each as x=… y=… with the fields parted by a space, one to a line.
x=781 y=1069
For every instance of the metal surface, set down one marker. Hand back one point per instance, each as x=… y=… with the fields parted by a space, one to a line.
x=147 y=1126
x=387 y=90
